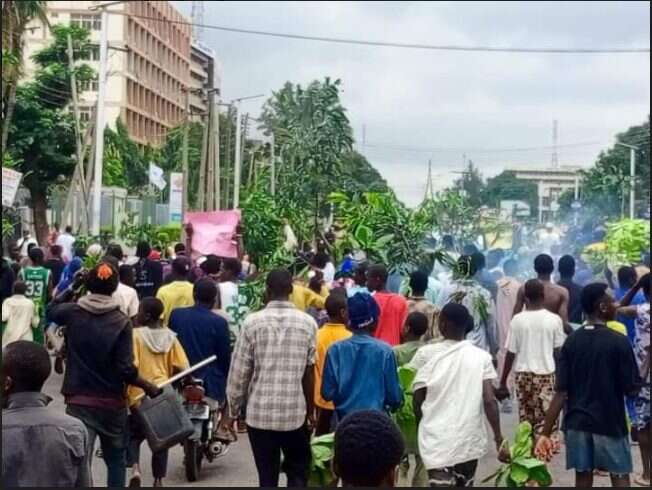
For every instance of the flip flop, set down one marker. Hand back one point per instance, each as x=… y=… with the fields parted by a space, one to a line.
x=135 y=481
x=641 y=482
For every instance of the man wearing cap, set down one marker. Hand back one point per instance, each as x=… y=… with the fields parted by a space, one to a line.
x=360 y=372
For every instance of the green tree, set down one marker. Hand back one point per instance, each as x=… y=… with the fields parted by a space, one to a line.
x=312 y=133
x=605 y=186
x=125 y=163
x=358 y=175
x=505 y=186
x=15 y=17
x=41 y=134
x=472 y=185
x=170 y=155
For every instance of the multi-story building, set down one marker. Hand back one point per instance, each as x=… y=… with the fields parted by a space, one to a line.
x=551 y=183
x=148 y=67
x=204 y=76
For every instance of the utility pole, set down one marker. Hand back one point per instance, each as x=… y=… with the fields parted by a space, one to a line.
x=272 y=184
x=201 y=191
x=555 y=137
x=632 y=177
x=99 y=123
x=184 y=155
x=216 y=148
x=78 y=180
x=238 y=143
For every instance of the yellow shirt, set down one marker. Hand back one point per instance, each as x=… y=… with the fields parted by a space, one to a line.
x=177 y=294
x=617 y=327
x=303 y=297
x=326 y=336
x=156 y=367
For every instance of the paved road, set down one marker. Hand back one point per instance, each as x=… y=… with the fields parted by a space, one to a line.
x=237 y=467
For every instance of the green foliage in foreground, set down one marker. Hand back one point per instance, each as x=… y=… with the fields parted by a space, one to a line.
x=322 y=451
x=522 y=468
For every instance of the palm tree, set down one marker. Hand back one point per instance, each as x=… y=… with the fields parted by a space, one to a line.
x=16 y=15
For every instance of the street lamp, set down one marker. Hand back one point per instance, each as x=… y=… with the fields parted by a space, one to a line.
x=632 y=174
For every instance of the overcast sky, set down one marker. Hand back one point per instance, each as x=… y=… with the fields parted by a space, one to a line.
x=414 y=101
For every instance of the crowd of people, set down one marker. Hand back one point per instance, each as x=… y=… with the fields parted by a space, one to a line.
x=323 y=355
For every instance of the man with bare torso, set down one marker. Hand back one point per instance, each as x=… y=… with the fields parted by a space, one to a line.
x=555 y=297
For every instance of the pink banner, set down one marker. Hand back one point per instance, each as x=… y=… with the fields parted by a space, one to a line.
x=214 y=232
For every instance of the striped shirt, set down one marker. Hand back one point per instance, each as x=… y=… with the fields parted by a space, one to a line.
x=274 y=348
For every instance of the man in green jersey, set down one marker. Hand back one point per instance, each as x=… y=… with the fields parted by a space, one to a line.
x=39 y=287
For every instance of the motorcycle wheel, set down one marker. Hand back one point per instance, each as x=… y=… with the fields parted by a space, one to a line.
x=192 y=460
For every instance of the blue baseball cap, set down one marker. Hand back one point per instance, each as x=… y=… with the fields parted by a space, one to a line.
x=363 y=310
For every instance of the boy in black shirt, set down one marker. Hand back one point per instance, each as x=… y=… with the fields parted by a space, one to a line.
x=596 y=371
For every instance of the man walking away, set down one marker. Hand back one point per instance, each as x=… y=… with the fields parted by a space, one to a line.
x=566 y=267
x=452 y=394
x=359 y=281
x=368 y=448
x=393 y=307
x=555 y=297
x=149 y=273
x=202 y=334
x=360 y=372
x=508 y=287
x=228 y=284
x=416 y=326
x=125 y=295
x=39 y=288
x=66 y=241
x=641 y=404
x=273 y=374
x=596 y=371
x=417 y=302
x=536 y=337
x=20 y=316
x=179 y=291
x=55 y=264
x=55 y=444
x=626 y=281
x=333 y=331
x=158 y=356
x=99 y=366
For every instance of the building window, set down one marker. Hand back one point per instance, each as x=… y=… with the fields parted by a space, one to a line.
x=92 y=54
x=88 y=21
x=89 y=85
x=545 y=202
x=84 y=114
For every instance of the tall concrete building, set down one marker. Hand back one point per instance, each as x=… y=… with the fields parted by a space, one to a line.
x=204 y=76
x=149 y=62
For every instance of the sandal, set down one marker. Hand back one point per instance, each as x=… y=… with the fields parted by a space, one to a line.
x=641 y=482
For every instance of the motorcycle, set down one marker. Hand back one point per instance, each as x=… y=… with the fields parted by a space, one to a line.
x=204 y=414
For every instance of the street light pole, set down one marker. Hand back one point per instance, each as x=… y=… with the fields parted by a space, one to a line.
x=632 y=177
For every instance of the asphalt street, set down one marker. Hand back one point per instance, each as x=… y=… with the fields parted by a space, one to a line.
x=237 y=467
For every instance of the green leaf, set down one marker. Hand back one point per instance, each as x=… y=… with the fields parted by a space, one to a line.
x=542 y=476
x=518 y=473
x=529 y=463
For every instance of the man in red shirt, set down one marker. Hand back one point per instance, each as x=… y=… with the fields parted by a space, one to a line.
x=393 y=307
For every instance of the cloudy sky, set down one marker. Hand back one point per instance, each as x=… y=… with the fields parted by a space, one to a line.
x=417 y=105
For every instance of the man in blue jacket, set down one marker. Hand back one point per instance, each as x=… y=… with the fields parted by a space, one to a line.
x=360 y=372
x=202 y=334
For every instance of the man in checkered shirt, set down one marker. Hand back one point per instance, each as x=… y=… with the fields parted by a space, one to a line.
x=272 y=375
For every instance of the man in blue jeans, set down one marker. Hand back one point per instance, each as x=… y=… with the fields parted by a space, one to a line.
x=596 y=370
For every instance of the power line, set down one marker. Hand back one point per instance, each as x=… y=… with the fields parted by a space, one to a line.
x=362 y=42
x=477 y=150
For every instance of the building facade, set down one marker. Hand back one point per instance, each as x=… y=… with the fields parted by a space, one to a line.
x=204 y=76
x=551 y=183
x=148 y=67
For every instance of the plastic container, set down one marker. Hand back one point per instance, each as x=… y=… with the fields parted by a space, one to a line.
x=164 y=420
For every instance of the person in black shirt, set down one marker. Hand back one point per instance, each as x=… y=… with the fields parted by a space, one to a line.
x=55 y=263
x=566 y=268
x=596 y=370
x=149 y=273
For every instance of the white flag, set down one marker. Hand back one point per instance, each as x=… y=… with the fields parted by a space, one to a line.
x=156 y=176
